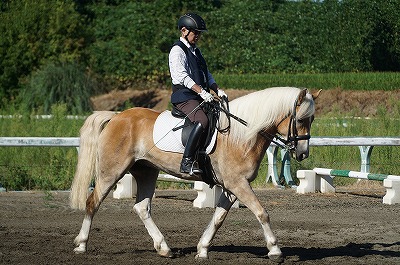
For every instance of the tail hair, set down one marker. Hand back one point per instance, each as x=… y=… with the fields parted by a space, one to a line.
x=87 y=157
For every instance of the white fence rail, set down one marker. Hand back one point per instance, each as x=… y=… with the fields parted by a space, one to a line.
x=40 y=141
x=365 y=145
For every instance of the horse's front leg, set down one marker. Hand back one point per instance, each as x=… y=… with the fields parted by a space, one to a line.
x=246 y=195
x=225 y=202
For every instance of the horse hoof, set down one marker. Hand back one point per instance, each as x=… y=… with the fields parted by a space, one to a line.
x=201 y=256
x=166 y=254
x=275 y=255
x=80 y=250
x=278 y=258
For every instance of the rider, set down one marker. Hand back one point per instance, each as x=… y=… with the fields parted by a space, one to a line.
x=191 y=84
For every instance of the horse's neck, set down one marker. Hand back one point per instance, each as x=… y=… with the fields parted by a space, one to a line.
x=256 y=149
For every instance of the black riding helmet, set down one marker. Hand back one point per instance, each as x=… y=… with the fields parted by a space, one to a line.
x=192 y=22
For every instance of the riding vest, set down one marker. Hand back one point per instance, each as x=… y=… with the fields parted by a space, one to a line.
x=197 y=71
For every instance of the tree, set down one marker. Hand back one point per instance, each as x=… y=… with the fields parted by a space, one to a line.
x=35 y=32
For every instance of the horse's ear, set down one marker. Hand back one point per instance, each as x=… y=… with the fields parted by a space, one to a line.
x=316 y=94
x=301 y=96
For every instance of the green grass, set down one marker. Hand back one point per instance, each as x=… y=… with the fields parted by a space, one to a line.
x=52 y=168
x=384 y=159
x=347 y=81
x=44 y=168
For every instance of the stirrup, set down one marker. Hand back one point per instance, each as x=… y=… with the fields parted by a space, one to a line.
x=188 y=166
x=195 y=171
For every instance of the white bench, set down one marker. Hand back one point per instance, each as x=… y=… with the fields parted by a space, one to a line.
x=206 y=197
x=321 y=180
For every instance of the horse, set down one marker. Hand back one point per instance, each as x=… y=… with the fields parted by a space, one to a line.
x=113 y=144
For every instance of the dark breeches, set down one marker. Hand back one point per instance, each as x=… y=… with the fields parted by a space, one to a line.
x=196 y=116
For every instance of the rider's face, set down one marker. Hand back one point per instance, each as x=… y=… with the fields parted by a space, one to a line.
x=192 y=36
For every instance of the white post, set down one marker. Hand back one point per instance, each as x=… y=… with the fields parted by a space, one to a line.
x=307 y=180
x=126 y=187
x=326 y=183
x=392 y=186
x=207 y=197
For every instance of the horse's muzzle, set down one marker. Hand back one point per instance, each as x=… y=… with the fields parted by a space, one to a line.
x=300 y=153
x=301 y=157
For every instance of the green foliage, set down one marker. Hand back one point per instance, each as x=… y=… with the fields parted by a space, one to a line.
x=34 y=32
x=127 y=42
x=66 y=83
x=46 y=168
x=50 y=52
x=133 y=38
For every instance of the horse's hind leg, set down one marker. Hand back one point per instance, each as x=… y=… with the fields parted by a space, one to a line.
x=100 y=192
x=146 y=178
x=225 y=202
x=83 y=236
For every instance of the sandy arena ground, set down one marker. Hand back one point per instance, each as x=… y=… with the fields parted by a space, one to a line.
x=349 y=227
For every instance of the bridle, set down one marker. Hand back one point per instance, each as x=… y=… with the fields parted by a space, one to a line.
x=292 y=139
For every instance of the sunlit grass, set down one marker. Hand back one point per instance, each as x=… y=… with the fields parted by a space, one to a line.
x=47 y=168
x=346 y=81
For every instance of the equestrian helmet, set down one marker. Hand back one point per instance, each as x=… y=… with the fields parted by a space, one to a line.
x=192 y=21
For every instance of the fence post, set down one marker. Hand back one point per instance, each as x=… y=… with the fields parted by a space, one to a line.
x=392 y=195
x=285 y=167
x=272 y=155
x=365 y=152
x=272 y=152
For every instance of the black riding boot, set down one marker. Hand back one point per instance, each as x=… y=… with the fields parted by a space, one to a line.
x=188 y=164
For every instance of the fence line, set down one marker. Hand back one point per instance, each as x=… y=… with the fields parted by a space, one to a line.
x=365 y=145
x=40 y=141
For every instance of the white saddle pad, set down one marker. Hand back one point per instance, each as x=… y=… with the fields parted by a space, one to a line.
x=166 y=139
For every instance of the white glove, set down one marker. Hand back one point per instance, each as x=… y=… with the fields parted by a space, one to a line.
x=207 y=97
x=221 y=93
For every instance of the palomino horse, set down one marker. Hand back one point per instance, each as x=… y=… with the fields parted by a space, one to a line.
x=113 y=144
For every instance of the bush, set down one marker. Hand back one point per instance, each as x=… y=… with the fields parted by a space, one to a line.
x=34 y=32
x=66 y=83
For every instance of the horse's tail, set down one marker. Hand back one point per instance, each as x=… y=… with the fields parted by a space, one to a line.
x=87 y=157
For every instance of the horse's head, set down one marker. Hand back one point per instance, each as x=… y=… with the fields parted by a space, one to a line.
x=295 y=128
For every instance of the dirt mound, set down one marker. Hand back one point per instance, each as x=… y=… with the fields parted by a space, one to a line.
x=359 y=103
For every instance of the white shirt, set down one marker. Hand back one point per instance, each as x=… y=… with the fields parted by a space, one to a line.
x=179 y=67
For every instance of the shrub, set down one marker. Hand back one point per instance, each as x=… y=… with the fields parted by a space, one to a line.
x=66 y=83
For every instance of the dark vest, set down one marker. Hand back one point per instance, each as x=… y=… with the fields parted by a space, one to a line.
x=198 y=72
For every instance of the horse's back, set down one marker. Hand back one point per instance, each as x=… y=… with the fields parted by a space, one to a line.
x=130 y=125
x=139 y=113
x=133 y=116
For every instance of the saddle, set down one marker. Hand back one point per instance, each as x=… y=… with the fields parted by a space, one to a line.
x=170 y=134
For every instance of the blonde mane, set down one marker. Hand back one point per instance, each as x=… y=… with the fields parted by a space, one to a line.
x=261 y=109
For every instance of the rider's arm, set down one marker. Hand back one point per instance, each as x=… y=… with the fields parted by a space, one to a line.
x=179 y=68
